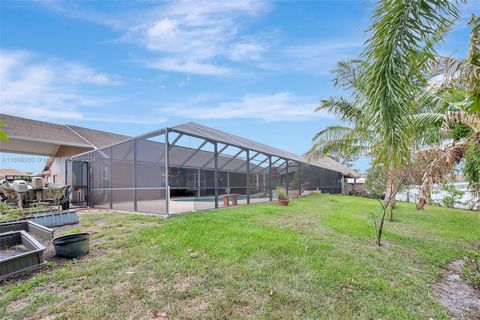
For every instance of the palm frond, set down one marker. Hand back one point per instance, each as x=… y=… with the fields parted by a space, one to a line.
x=427 y=120
x=401 y=42
x=339 y=140
x=342 y=108
x=448 y=70
x=472 y=120
x=332 y=132
x=348 y=73
x=453 y=71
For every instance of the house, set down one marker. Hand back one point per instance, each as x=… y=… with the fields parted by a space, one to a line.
x=11 y=172
x=56 y=142
x=182 y=168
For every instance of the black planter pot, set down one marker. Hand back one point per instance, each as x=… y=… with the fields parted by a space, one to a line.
x=72 y=245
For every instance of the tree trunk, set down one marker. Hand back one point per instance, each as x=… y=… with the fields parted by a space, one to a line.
x=388 y=201
x=380 y=227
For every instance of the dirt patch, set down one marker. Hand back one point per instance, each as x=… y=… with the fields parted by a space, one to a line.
x=456 y=295
x=18 y=305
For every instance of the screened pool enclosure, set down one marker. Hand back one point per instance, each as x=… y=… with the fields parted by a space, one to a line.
x=193 y=167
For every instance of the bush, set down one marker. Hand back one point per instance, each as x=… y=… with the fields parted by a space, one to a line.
x=282 y=193
x=471 y=267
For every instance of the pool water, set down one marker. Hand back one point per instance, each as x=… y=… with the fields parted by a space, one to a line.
x=212 y=199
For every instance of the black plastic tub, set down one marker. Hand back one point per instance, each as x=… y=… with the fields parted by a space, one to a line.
x=72 y=245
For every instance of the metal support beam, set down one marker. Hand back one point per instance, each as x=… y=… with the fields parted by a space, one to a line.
x=231 y=159
x=272 y=163
x=270 y=177
x=256 y=155
x=194 y=153
x=129 y=149
x=246 y=163
x=258 y=165
x=167 y=185
x=134 y=175
x=89 y=185
x=199 y=185
x=282 y=167
x=215 y=172
x=248 y=176
x=219 y=152
x=111 y=177
x=175 y=141
x=299 y=178
x=65 y=162
x=288 y=178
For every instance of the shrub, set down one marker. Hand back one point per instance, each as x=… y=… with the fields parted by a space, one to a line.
x=282 y=193
x=471 y=267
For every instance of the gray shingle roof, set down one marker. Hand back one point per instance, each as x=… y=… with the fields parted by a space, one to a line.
x=98 y=138
x=34 y=130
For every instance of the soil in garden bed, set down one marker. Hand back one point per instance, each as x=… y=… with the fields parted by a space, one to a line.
x=12 y=251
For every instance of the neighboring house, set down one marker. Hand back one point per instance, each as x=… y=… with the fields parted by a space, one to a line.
x=11 y=172
x=56 y=142
x=355 y=185
x=467 y=200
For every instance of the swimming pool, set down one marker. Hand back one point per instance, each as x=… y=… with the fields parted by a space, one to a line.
x=212 y=199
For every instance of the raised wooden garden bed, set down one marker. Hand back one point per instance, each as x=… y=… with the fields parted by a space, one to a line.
x=36 y=230
x=19 y=252
x=50 y=220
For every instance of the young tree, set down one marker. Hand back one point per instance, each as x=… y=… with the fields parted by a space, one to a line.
x=453 y=194
x=376 y=179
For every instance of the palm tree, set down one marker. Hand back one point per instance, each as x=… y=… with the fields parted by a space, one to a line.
x=353 y=138
x=401 y=42
x=458 y=95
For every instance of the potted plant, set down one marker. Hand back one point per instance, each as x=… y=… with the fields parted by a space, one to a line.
x=282 y=198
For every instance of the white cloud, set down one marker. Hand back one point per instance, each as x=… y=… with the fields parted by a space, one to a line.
x=82 y=74
x=34 y=89
x=212 y=38
x=283 y=106
x=191 y=38
x=51 y=90
x=247 y=51
x=189 y=66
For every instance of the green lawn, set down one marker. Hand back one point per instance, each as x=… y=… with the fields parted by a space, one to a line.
x=316 y=256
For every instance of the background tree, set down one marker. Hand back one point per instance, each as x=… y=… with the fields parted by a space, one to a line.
x=353 y=138
x=457 y=95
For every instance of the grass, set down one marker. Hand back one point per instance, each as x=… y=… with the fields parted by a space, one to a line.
x=314 y=259
x=8 y=213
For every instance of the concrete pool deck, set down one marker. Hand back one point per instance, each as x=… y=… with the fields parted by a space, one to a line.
x=177 y=205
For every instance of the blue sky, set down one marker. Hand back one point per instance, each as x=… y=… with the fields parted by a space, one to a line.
x=256 y=69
